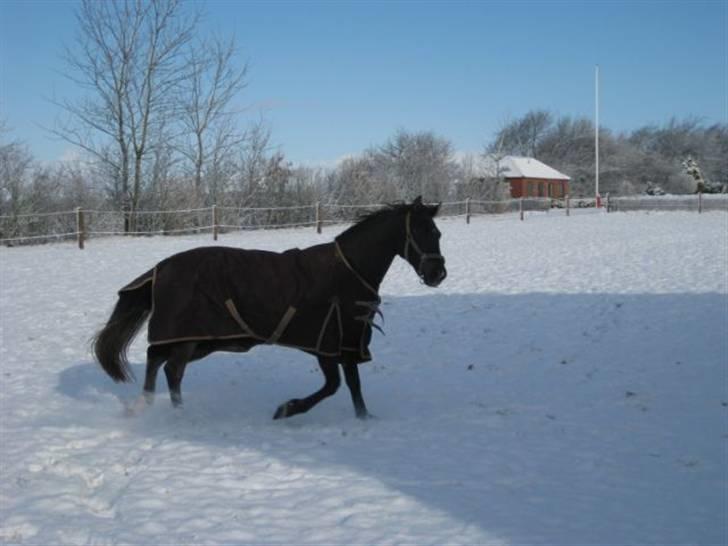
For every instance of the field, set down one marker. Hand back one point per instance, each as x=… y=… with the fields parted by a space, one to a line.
x=565 y=385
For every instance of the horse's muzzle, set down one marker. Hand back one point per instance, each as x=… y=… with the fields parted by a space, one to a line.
x=434 y=274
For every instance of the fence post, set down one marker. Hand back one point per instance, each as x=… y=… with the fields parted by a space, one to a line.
x=80 y=229
x=318 y=217
x=467 y=210
x=214 y=222
x=568 y=204
x=608 y=207
x=700 y=202
x=520 y=207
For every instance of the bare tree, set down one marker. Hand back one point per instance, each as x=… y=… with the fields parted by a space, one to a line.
x=128 y=57
x=253 y=162
x=522 y=136
x=207 y=121
x=221 y=168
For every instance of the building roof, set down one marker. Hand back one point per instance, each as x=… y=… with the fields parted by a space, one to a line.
x=527 y=167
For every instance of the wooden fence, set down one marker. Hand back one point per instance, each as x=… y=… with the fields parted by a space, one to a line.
x=82 y=224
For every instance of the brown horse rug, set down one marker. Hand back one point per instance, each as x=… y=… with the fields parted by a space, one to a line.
x=298 y=298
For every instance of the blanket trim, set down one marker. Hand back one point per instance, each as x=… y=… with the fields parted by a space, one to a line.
x=140 y=283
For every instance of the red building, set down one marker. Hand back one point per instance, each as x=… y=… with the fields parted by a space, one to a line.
x=528 y=177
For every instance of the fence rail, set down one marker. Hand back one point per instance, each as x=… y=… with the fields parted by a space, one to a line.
x=80 y=224
x=696 y=203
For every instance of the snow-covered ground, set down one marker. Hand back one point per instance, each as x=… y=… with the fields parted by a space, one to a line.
x=566 y=385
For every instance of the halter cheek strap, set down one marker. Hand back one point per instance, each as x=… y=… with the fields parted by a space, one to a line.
x=410 y=242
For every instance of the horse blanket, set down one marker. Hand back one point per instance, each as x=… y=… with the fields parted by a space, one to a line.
x=309 y=299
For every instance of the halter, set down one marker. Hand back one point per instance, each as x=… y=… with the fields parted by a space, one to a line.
x=410 y=241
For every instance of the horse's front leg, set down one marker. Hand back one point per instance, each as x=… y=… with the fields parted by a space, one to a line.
x=351 y=374
x=330 y=369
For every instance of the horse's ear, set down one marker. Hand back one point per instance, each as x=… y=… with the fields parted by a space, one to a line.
x=417 y=202
x=434 y=209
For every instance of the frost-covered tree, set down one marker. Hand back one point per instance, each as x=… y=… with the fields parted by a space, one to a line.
x=629 y=163
x=416 y=164
x=16 y=165
x=692 y=169
x=522 y=136
x=406 y=165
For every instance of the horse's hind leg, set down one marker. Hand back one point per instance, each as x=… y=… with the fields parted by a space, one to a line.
x=330 y=368
x=156 y=356
x=179 y=355
x=351 y=374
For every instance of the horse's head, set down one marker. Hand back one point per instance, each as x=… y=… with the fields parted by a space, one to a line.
x=422 y=243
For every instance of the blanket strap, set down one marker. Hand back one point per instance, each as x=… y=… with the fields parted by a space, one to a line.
x=277 y=333
x=334 y=309
x=234 y=312
x=354 y=271
x=282 y=325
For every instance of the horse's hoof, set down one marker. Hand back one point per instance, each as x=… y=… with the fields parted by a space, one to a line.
x=132 y=409
x=286 y=410
x=366 y=416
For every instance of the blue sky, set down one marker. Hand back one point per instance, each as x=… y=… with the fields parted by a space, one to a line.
x=333 y=78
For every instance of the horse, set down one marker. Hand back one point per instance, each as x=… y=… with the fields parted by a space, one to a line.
x=322 y=300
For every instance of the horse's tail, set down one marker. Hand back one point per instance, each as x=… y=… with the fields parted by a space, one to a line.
x=111 y=342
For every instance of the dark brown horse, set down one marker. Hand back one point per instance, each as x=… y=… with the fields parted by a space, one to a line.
x=322 y=300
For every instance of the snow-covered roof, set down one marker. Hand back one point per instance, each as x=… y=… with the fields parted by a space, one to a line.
x=512 y=166
x=527 y=167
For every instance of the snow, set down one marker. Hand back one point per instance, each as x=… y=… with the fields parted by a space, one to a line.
x=565 y=385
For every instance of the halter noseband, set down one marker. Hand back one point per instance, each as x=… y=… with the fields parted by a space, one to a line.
x=410 y=241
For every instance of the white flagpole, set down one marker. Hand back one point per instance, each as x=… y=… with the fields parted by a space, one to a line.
x=596 y=135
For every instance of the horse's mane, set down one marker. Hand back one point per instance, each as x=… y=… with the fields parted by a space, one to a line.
x=388 y=208
x=368 y=217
